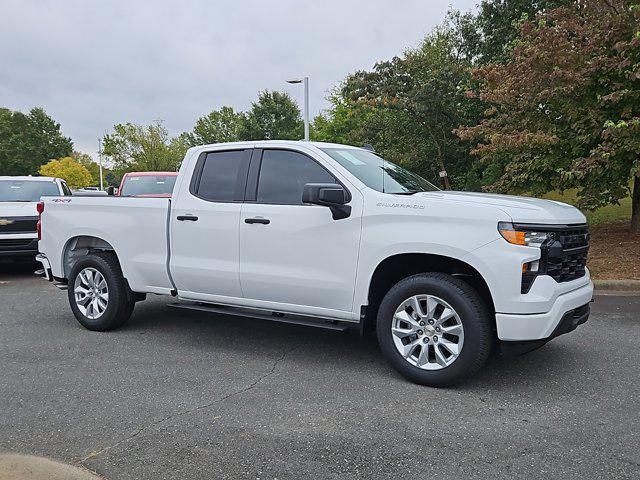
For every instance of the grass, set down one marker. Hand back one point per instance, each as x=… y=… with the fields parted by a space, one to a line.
x=608 y=214
x=615 y=251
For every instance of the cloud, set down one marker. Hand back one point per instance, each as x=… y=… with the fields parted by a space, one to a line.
x=92 y=64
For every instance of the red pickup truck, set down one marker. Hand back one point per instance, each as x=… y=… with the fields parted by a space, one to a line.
x=147 y=184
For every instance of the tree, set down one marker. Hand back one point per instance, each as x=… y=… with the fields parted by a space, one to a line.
x=275 y=116
x=411 y=105
x=497 y=26
x=75 y=174
x=565 y=108
x=218 y=126
x=143 y=148
x=110 y=179
x=29 y=141
x=93 y=167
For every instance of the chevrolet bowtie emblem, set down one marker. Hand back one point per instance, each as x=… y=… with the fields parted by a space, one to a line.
x=4 y=221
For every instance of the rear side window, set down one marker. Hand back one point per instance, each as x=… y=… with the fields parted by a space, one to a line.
x=148 y=185
x=283 y=175
x=65 y=189
x=222 y=176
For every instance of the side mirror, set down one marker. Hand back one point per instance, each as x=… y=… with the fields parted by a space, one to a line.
x=111 y=190
x=329 y=195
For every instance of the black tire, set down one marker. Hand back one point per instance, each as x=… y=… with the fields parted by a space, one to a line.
x=473 y=314
x=119 y=306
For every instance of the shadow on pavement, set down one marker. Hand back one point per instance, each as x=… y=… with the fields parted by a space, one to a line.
x=13 y=271
x=351 y=353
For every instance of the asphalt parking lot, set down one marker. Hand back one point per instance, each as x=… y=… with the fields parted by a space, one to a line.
x=187 y=395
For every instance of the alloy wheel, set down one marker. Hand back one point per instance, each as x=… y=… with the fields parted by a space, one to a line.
x=427 y=332
x=91 y=293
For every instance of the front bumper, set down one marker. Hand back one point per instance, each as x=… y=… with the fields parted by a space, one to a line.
x=541 y=326
x=568 y=323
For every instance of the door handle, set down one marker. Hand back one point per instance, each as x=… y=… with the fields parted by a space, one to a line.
x=191 y=218
x=263 y=221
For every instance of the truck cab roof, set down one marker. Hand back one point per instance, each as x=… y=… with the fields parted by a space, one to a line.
x=21 y=178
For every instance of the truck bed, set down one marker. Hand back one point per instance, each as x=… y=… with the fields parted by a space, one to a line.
x=135 y=227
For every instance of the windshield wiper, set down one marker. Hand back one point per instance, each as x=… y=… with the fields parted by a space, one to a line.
x=409 y=192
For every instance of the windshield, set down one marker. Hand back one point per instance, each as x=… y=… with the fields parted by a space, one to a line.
x=148 y=185
x=377 y=173
x=26 y=190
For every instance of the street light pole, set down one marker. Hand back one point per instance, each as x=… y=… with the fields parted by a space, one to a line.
x=305 y=113
x=306 y=109
x=100 y=158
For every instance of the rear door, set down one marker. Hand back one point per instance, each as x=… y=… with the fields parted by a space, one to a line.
x=204 y=227
x=295 y=256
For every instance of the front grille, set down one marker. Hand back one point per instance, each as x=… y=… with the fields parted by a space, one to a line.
x=18 y=224
x=574 y=238
x=567 y=257
x=568 y=267
x=15 y=242
x=563 y=256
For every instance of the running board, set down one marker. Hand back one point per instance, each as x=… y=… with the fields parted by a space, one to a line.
x=261 y=315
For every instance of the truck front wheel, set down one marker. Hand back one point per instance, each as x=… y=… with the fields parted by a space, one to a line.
x=98 y=293
x=434 y=329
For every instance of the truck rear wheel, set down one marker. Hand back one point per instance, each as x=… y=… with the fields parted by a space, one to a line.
x=434 y=329
x=98 y=293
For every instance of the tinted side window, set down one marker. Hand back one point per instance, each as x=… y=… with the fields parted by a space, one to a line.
x=65 y=189
x=283 y=175
x=223 y=176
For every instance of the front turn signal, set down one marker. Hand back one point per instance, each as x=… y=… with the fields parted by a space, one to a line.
x=510 y=234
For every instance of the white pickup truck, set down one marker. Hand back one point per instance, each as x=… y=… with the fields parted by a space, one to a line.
x=19 y=197
x=335 y=236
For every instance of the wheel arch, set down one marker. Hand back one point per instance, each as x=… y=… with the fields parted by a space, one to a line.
x=80 y=246
x=394 y=268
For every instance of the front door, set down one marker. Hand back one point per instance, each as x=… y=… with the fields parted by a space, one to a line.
x=204 y=228
x=293 y=255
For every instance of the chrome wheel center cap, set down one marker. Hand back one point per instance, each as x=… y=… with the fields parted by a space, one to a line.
x=429 y=331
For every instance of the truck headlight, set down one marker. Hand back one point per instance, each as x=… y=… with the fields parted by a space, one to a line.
x=523 y=236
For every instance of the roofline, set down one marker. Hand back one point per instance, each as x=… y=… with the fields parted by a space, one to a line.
x=279 y=143
x=29 y=177
x=150 y=173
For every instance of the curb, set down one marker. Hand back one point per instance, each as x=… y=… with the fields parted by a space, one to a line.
x=617 y=285
x=27 y=467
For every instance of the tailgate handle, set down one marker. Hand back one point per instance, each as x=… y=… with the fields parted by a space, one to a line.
x=190 y=218
x=263 y=221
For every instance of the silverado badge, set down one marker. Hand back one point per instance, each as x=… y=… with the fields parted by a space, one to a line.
x=5 y=221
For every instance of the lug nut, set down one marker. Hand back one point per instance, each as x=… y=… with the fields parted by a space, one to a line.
x=420 y=332
x=426 y=340
x=437 y=329
x=422 y=323
x=430 y=322
x=435 y=339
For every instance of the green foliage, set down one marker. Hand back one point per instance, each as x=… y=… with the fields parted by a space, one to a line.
x=498 y=26
x=275 y=116
x=143 y=148
x=219 y=126
x=565 y=110
x=409 y=106
x=93 y=167
x=29 y=141
x=75 y=174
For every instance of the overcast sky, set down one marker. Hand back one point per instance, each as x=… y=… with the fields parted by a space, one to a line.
x=92 y=64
